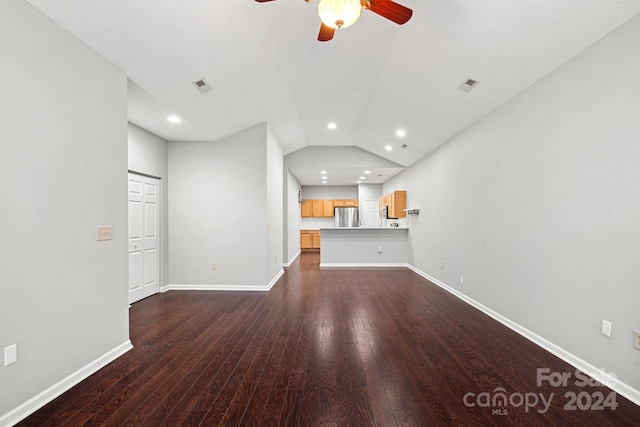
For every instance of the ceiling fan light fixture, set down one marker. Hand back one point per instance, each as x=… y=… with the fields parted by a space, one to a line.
x=339 y=13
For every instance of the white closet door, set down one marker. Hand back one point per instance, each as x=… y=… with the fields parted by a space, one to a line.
x=144 y=241
x=371 y=218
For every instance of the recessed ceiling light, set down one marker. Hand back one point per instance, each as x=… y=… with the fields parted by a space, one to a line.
x=400 y=133
x=174 y=119
x=324 y=182
x=388 y=147
x=362 y=177
x=323 y=172
x=358 y=182
x=367 y=172
x=332 y=125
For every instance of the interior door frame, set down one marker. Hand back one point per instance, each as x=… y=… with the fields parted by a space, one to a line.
x=160 y=245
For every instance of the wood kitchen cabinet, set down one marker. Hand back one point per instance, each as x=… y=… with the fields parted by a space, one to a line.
x=316 y=208
x=309 y=240
x=306 y=209
x=327 y=209
x=346 y=202
x=323 y=208
x=396 y=204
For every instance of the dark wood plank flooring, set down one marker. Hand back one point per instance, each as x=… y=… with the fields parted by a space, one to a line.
x=337 y=347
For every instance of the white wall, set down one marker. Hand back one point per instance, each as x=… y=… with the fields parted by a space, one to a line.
x=148 y=155
x=218 y=211
x=293 y=220
x=275 y=201
x=147 y=152
x=329 y=192
x=538 y=206
x=63 y=296
x=335 y=157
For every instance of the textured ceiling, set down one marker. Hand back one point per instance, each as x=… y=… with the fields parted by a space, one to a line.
x=264 y=64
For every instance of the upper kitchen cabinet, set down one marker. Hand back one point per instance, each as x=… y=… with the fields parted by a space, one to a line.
x=396 y=204
x=346 y=203
x=306 y=209
x=323 y=208
x=327 y=208
x=317 y=208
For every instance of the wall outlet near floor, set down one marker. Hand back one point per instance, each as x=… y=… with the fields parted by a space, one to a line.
x=10 y=354
x=606 y=328
x=379 y=249
x=442 y=263
x=636 y=339
x=462 y=280
x=214 y=265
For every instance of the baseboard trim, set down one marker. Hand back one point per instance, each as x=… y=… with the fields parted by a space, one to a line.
x=614 y=384
x=363 y=264
x=38 y=401
x=288 y=264
x=196 y=287
x=275 y=279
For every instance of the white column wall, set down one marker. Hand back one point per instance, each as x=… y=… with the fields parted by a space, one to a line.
x=63 y=171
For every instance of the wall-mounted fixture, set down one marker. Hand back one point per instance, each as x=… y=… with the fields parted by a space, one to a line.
x=412 y=211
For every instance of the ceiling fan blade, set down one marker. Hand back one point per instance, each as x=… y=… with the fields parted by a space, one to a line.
x=391 y=10
x=326 y=33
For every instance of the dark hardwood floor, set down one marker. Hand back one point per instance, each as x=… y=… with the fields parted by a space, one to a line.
x=337 y=347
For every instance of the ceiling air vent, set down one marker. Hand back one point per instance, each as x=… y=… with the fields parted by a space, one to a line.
x=202 y=86
x=468 y=84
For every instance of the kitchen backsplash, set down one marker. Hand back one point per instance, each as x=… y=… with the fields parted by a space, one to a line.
x=315 y=223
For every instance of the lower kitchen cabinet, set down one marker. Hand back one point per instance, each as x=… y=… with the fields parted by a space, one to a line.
x=309 y=240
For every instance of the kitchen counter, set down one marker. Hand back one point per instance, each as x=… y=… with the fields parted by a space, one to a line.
x=363 y=246
x=364 y=228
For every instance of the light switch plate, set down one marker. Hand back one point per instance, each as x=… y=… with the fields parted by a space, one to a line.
x=10 y=354
x=103 y=232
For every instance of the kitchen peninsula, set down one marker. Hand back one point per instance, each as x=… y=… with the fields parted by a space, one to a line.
x=363 y=247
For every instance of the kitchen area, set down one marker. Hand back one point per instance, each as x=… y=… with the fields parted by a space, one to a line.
x=355 y=229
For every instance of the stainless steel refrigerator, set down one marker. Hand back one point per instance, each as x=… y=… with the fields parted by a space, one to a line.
x=346 y=216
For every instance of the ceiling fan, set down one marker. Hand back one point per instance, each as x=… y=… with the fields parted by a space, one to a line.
x=339 y=14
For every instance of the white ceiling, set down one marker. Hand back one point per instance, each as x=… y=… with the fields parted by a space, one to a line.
x=265 y=64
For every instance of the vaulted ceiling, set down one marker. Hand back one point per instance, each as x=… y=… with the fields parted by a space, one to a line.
x=264 y=63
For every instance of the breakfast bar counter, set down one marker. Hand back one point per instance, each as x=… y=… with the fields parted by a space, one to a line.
x=363 y=247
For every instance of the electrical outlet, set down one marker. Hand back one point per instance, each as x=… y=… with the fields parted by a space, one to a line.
x=10 y=354
x=441 y=263
x=462 y=280
x=606 y=328
x=636 y=339
x=214 y=265
x=379 y=249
